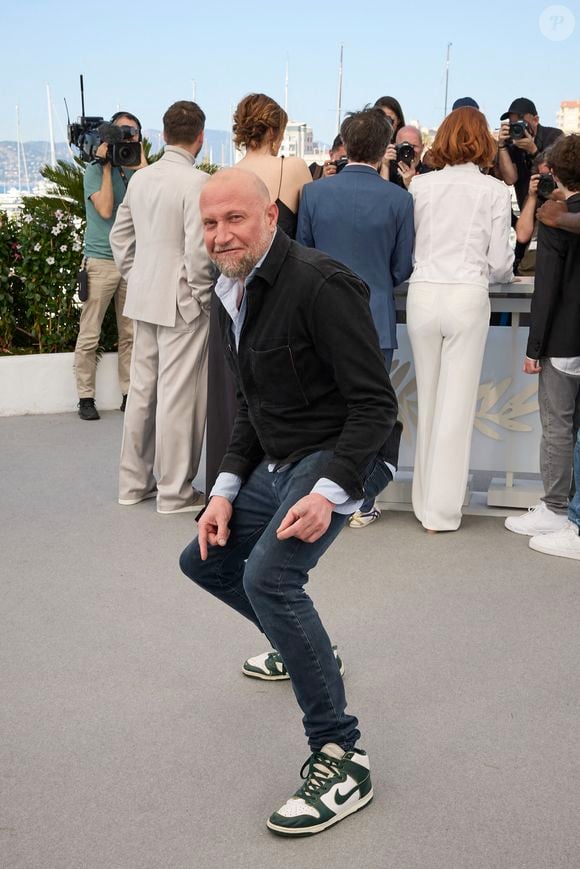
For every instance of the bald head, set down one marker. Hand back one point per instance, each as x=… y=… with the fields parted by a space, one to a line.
x=412 y=135
x=239 y=182
x=239 y=220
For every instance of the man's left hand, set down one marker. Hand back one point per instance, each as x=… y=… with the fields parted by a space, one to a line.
x=406 y=172
x=307 y=520
x=527 y=144
x=531 y=366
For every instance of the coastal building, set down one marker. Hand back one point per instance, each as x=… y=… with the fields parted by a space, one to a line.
x=569 y=116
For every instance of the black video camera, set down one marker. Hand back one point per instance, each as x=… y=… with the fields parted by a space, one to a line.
x=405 y=153
x=518 y=129
x=90 y=132
x=546 y=185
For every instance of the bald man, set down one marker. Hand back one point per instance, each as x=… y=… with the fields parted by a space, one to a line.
x=402 y=172
x=315 y=432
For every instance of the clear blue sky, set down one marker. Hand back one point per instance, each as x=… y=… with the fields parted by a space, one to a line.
x=142 y=57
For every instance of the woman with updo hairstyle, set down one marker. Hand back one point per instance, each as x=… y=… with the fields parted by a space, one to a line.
x=259 y=125
x=462 y=231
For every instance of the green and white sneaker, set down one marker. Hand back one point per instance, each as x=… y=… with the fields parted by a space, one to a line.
x=337 y=784
x=271 y=667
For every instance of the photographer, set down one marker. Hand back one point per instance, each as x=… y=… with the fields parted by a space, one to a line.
x=402 y=160
x=105 y=185
x=521 y=138
x=542 y=187
x=337 y=160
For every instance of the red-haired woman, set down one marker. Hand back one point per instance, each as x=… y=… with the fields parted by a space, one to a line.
x=462 y=227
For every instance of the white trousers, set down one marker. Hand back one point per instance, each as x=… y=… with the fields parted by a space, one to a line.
x=166 y=412
x=447 y=326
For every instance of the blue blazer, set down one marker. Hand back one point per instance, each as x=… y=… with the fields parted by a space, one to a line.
x=366 y=223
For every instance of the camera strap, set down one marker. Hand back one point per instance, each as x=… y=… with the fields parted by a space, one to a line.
x=123 y=176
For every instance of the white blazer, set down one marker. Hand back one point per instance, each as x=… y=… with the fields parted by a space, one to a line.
x=157 y=242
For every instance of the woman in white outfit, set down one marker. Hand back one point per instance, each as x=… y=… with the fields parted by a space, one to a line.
x=462 y=226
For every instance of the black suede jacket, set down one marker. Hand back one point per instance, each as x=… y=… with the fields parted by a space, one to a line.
x=309 y=370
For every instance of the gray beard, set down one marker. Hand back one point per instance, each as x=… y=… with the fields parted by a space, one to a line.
x=240 y=269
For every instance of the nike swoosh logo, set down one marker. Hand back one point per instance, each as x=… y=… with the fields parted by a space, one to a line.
x=340 y=799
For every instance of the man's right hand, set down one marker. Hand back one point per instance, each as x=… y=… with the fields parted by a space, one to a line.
x=550 y=213
x=213 y=526
x=533 y=186
x=503 y=136
x=102 y=150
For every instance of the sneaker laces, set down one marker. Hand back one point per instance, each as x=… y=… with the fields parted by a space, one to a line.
x=321 y=769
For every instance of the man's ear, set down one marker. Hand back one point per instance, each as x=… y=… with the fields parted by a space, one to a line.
x=199 y=140
x=272 y=215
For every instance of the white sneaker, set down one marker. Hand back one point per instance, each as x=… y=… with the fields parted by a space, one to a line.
x=538 y=520
x=565 y=542
x=361 y=520
x=129 y=502
x=195 y=507
x=336 y=784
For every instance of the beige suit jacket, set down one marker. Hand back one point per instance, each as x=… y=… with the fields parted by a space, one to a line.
x=157 y=242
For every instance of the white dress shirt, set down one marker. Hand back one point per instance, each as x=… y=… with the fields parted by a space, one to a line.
x=462 y=227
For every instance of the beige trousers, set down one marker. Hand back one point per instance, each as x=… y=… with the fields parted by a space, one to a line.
x=447 y=326
x=166 y=412
x=105 y=283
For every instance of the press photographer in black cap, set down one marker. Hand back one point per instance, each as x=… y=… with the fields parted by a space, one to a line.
x=521 y=137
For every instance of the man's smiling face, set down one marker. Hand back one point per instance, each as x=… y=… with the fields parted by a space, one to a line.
x=238 y=221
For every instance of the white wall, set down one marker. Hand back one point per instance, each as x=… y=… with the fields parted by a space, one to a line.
x=45 y=383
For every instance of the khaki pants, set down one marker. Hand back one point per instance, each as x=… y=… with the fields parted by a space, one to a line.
x=166 y=411
x=105 y=282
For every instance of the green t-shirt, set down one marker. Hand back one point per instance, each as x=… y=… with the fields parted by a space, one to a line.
x=98 y=229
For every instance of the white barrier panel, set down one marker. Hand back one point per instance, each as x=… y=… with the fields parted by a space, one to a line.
x=507 y=426
x=45 y=383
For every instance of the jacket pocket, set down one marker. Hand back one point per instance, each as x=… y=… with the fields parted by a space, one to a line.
x=276 y=378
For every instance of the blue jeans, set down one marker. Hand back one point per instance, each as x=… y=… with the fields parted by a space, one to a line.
x=263 y=578
x=574 y=506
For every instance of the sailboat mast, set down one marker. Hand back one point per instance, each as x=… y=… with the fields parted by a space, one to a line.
x=339 y=97
x=449 y=44
x=21 y=155
x=51 y=128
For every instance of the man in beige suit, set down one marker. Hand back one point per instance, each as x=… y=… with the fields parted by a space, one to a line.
x=157 y=244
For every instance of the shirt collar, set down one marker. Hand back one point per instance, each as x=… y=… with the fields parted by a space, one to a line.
x=468 y=167
x=227 y=288
x=175 y=149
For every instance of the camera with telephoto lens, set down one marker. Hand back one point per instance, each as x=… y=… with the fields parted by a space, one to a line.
x=339 y=164
x=518 y=129
x=90 y=132
x=546 y=185
x=405 y=153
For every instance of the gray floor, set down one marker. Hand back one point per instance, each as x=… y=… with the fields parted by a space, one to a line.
x=131 y=740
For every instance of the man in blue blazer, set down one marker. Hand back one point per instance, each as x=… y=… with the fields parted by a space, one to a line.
x=366 y=223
